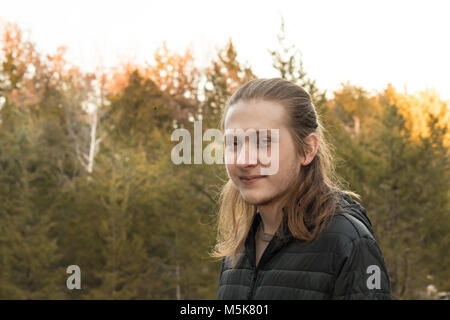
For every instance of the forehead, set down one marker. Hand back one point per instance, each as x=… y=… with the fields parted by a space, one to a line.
x=256 y=115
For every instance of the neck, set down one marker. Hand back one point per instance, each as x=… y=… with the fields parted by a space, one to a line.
x=271 y=216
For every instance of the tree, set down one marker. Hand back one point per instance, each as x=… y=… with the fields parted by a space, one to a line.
x=407 y=201
x=29 y=256
x=223 y=78
x=137 y=111
x=289 y=62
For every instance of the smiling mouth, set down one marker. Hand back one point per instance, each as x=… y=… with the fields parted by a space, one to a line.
x=250 y=179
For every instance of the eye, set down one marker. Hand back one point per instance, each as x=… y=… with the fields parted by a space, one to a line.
x=264 y=142
x=232 y=143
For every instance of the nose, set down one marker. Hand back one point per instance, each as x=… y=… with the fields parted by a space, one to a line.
x=247 y=156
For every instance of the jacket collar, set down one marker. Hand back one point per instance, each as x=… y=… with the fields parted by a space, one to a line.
x=274 y=245
x=355 y=209
x=347 y=204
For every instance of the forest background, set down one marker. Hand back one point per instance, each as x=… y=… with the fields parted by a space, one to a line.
x=86 y=176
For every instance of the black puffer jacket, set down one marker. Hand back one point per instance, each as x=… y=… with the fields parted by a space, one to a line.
x=343 y=262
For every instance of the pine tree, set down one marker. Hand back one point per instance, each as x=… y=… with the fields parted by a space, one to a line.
x=406 y=202
x=288 y=60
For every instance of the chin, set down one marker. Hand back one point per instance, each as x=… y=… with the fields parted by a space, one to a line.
x=255 y=199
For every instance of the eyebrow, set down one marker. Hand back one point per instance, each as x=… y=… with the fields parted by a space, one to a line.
x=257 y=131
x=269 y=134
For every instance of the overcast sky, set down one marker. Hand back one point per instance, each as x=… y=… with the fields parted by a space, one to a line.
x=367 y=43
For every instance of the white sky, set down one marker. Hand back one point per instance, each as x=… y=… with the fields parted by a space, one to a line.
x=368 y=43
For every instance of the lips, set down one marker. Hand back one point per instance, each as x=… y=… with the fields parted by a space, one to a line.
x=251 y=178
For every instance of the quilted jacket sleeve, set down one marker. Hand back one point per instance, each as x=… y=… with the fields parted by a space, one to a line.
x=362 y=273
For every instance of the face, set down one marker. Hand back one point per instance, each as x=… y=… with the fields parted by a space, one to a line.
x=261 y=115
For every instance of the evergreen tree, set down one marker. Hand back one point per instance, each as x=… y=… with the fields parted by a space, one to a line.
x=288 y=61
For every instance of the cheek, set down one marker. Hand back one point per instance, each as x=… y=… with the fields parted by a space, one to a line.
x=231 y=171
x=289 y=165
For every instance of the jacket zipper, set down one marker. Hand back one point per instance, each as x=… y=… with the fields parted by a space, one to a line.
x=252 y=285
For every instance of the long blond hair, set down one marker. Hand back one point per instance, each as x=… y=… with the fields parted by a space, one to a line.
x=311 y=200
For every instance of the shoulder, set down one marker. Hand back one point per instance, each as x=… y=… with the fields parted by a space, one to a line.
x=346 y=225
x=345 y=232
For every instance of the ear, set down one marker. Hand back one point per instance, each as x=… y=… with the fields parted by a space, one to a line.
x=312 y=140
